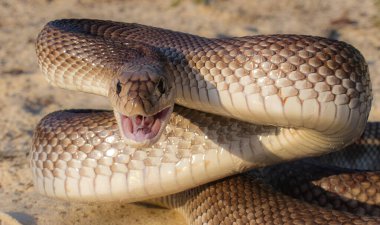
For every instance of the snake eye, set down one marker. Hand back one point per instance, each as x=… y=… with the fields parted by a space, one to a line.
x=118 y=87
x=161 y=86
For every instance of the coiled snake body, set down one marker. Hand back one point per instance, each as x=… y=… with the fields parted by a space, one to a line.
x=271 y=98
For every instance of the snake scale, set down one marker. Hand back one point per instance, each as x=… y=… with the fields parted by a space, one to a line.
x=240 y=103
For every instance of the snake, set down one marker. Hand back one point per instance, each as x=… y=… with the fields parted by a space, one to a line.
x=192 y=116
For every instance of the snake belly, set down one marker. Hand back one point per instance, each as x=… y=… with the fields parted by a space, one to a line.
x=306 y=96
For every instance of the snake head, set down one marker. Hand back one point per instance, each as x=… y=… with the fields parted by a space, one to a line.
x=142 y=97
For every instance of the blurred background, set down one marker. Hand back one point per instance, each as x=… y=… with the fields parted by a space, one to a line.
x=25 y=97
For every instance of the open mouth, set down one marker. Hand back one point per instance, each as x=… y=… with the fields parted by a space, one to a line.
x=144 y=128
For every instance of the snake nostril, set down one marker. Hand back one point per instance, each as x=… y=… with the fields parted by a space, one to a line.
x=161 y=86
x=118 y=87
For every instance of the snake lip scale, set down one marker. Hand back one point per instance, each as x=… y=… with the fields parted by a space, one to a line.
x=189 y=111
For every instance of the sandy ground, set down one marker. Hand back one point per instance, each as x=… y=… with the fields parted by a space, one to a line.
x=25 y=96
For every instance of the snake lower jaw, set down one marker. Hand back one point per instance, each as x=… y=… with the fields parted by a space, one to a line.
x=143 y=131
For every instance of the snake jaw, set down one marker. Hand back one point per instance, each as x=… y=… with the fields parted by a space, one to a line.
x=141 y=131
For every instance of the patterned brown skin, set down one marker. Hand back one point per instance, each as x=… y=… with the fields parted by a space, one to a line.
x=311 y=191
x=246 y=199
x=212 y=75
x=309 y=86
x=299 y=66
x=331 y=187
x=254 y=197
x=347 y=180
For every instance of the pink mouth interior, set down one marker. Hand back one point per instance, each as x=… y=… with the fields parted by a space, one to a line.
x=140 y=128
